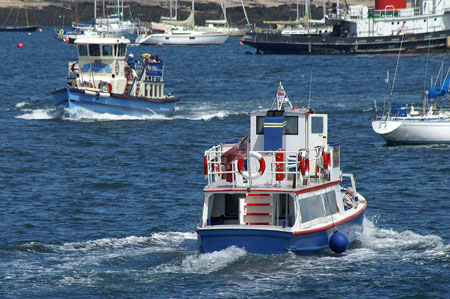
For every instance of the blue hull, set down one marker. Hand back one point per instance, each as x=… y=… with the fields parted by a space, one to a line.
x=72 y=98
x=257 y=240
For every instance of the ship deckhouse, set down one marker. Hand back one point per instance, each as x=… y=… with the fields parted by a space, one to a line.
x=101 y=64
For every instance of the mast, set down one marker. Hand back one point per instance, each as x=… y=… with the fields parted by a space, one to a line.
x=26 y=14
x=245 y=12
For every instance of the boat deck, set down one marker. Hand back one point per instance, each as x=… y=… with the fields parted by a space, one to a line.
x=278 y=171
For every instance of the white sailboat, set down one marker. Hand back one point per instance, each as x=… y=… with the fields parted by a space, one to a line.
x=111 y=24
x=184 y=32
x=408 y=124
x=223 y=26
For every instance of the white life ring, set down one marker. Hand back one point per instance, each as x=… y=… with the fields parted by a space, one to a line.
x=256 y=174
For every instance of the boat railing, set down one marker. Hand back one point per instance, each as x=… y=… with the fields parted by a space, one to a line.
x=287 y=169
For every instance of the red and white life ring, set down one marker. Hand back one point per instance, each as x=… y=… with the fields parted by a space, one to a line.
x=326 y=155
x=105 y=86
x=256 y=174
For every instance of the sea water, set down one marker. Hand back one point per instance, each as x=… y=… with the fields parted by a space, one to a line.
x=106 y=206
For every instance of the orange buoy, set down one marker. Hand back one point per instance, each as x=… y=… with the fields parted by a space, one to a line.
x=19 y=45
x=40 y=30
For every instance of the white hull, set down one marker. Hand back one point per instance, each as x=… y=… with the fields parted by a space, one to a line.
x=413 y=131
x=184 y=38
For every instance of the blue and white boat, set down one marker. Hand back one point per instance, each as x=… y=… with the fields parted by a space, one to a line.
x=279 y=189
x=409 y=124
x=101 y=81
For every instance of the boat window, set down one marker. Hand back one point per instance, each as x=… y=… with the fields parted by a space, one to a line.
x=317 y=125
x=82 y=50
x=291 y=125
x=284 y=210
x=94 y=50
x=120 y=50
x=260 y=125
x=107 y=50
x=329 y=199
x=311 y=208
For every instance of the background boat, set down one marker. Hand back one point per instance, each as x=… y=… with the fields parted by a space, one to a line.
x=388 y=28
x=184 y=32
x=19 y=28
x=417 y=123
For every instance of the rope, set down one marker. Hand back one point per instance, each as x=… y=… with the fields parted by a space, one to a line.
x=426 y=66
x=396 y=66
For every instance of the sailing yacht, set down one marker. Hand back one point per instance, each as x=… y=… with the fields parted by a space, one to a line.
x=170 y=32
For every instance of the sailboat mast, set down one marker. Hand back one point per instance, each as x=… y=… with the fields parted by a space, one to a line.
x=245 y=12
x=26 y=14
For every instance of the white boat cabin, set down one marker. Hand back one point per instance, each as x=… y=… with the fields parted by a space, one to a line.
x=286 y=176
x=291 y=143
x=101 y=67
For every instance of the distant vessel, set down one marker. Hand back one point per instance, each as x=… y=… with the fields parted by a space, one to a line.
x=403 y=124
x=114 y=23
x=19 y=28
x=174 y=35
x=100 y=81
x=172 y=32
x=389 y=28
x=279 y=189
x=223 y=26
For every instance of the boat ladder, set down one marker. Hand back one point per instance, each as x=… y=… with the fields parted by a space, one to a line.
x=257 y=209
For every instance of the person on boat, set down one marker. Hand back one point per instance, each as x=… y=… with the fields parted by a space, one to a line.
x=131 y=63
x=157 y=59
x=349 y=199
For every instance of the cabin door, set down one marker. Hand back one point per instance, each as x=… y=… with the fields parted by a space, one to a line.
x=317 y=130
x=317 y=135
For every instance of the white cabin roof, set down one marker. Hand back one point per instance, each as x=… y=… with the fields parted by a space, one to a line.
x=101 y=40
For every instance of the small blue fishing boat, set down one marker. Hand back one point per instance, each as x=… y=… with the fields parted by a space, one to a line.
x=102 y=82
x=279 y=189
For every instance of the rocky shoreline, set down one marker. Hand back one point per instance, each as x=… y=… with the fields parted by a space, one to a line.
x=63 y=13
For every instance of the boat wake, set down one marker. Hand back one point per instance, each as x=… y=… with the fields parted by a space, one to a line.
x=84 y=115
x=167 y=253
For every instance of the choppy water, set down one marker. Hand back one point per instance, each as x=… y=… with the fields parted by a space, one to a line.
x=106 y=206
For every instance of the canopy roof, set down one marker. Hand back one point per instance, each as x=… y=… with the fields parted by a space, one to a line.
x=439 y=91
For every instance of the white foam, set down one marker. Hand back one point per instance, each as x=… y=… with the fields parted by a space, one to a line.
x=112 y=243
x=22 y=104
x=205 y=263
x=171 y=238
x=406 y=244
x=37 y=114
